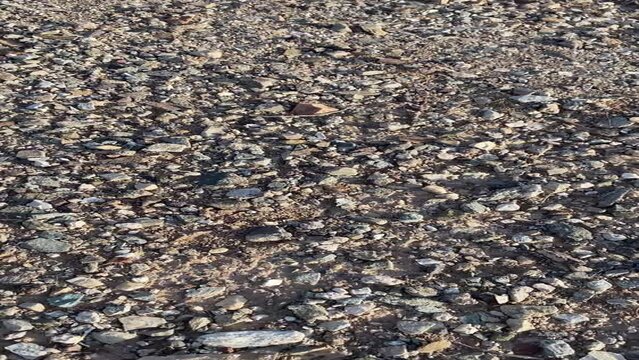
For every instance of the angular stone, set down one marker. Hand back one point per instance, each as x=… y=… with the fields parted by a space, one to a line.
x=28 y=351
x=85 y=282
x=381 y=280
x=435 y=346
x=557 y=349
x=135 y=322
x=205 y=292
x=166 y=147
x=603 y=355
x=248 y=339
x=113 y=337
x=528 y=310
x=569 y=231
x=312 y=109
x=48 y=245
x=410 y=327
x=15 y=325
x=267 y=234
x=612 y=197
x=343 y=171
x=309 y=312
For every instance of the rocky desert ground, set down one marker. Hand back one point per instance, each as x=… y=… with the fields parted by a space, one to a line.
x=306 y=179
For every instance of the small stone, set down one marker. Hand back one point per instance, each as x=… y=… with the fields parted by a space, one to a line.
x=247 y=193
x=519 y=311
x=512 y=206
x=312 y=109
x=309 y=312
x=28 y=351
x=612 y=197
x=311 y=278
x=85 y=282
x=272 y=283
x=520 y=325
x=520 y=293
x=166 y=147
x=48 y=245
x=199 y=322
x=410 y=218
x=36 y=307
x=485 y=145
x=434 y=347
x=475 y=207
x=214 y=54
x=358 y=310
x=599 y=286
x=113 y=337
x=67 y=339
x=31 y=154
x=335 y=326
x=267 y=234
x=502 y=299
x=394 y=351
x=526 y=99
x=343 y=172
x=205 y=292
x=135 y=322
x=233 y=302
x=466 y=329
x=569 y=231
x=381 y=280
x=410 y=327
x=571 y=319
x=603 y=355
x=40 y=205
x=248 y=339
x=489 y=114
x=557 y=349
x=373 y=29
x=88 y=317
x=15 y=325
x=66 y=300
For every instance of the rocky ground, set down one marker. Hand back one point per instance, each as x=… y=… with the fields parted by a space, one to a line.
x=306 y=179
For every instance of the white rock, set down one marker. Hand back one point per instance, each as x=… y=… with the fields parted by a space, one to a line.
x=40 y=205
x=603 y=355
x=166 y=147
x=247 y=339
x=135 y=322
x=28 y=351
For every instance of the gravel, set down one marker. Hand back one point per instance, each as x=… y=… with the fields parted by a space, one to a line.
x=451 y=179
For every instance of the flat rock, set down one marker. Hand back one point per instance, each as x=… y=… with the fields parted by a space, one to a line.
x=135 y=322
x=603 y=355
x=312 y=109
x=248 y=339
x=48 y=245
x=113 y=337
x=569 y=231
x=166 y=147
x=267 y=234
x=28 y=350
